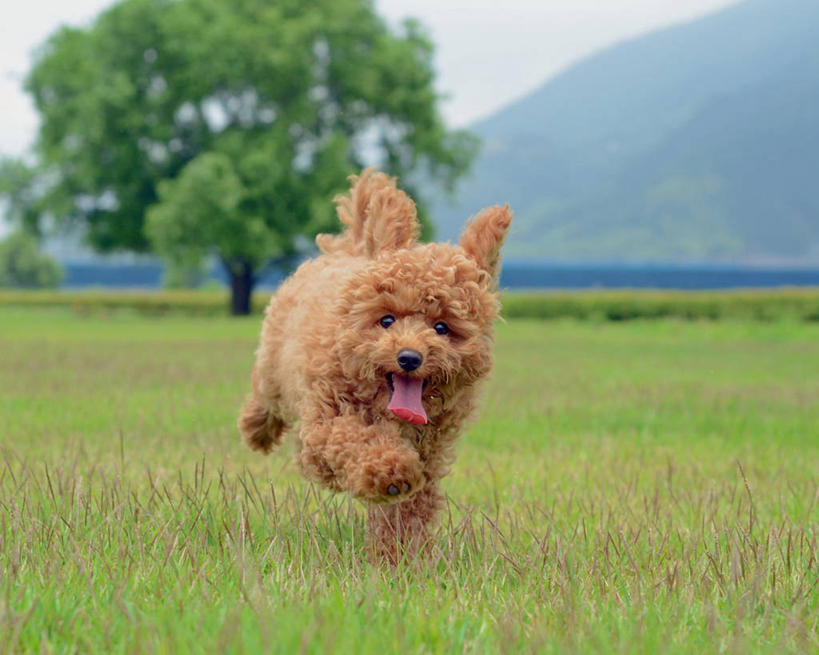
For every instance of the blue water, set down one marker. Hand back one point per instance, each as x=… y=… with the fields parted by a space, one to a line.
x=115 y=276
x=518 y=275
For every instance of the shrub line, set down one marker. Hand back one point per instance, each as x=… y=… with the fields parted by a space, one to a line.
x=798 y=304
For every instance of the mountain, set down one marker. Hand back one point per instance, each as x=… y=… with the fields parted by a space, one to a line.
x=696 y=142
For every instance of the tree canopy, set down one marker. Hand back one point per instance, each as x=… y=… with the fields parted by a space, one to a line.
x=23 y=266
x=240 y=118
x=19 y=192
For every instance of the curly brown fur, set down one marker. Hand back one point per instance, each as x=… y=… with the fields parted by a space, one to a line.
x=326 y=362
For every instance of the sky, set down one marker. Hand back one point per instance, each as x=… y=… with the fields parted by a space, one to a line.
x=489 y=52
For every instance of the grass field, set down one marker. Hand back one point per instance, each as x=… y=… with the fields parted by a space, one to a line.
x=631 y=487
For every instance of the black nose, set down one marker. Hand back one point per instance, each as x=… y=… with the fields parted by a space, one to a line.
x=409 y=360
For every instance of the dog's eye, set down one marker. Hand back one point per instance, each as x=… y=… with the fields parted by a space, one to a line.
x=441 y=328
x=386 y=321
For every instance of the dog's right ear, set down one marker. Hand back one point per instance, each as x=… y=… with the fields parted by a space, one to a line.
x=379 y=217
x=483 y=237
x=392 y=222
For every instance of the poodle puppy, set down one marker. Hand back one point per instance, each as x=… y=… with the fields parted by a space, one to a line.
x=375 y=349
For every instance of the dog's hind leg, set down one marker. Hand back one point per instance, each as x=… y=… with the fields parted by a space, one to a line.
x=402 y=531
x=259 y=426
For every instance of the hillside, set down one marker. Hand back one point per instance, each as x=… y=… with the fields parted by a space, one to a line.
x=700 y=141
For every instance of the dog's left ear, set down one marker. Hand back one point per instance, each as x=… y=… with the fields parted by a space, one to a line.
x=483 y=237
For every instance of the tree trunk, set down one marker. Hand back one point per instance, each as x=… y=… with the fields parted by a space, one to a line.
x=242 y=281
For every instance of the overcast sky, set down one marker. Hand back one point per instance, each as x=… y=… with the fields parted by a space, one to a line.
x=488 y=52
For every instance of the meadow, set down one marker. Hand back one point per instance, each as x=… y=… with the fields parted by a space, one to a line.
x=628 y=487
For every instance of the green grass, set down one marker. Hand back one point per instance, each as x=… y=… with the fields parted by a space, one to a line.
x=634 y=487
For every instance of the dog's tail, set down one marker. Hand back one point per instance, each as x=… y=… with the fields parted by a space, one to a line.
x=377 y=215
x=260 y=428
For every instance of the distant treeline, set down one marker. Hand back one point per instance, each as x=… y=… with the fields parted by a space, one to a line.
x=618 y=305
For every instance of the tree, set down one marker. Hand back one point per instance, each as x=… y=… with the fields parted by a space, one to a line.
x=19 y=192
x=183 y=227
x=238 y=119
x=23 y=265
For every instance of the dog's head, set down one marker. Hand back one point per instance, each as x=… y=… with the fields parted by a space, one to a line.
x=416 y=322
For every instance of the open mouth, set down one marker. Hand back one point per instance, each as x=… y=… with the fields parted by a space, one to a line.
x=405 y=398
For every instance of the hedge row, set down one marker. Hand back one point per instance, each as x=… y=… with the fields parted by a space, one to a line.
x=621 y=305
x=198 y=303
x=800 y=304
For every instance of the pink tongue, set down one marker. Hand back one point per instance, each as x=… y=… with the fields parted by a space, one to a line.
x=406 y=399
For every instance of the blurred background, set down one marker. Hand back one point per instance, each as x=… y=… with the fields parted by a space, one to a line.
x=641 y=143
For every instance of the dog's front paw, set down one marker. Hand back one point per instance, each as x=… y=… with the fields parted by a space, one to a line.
x=388 y=475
